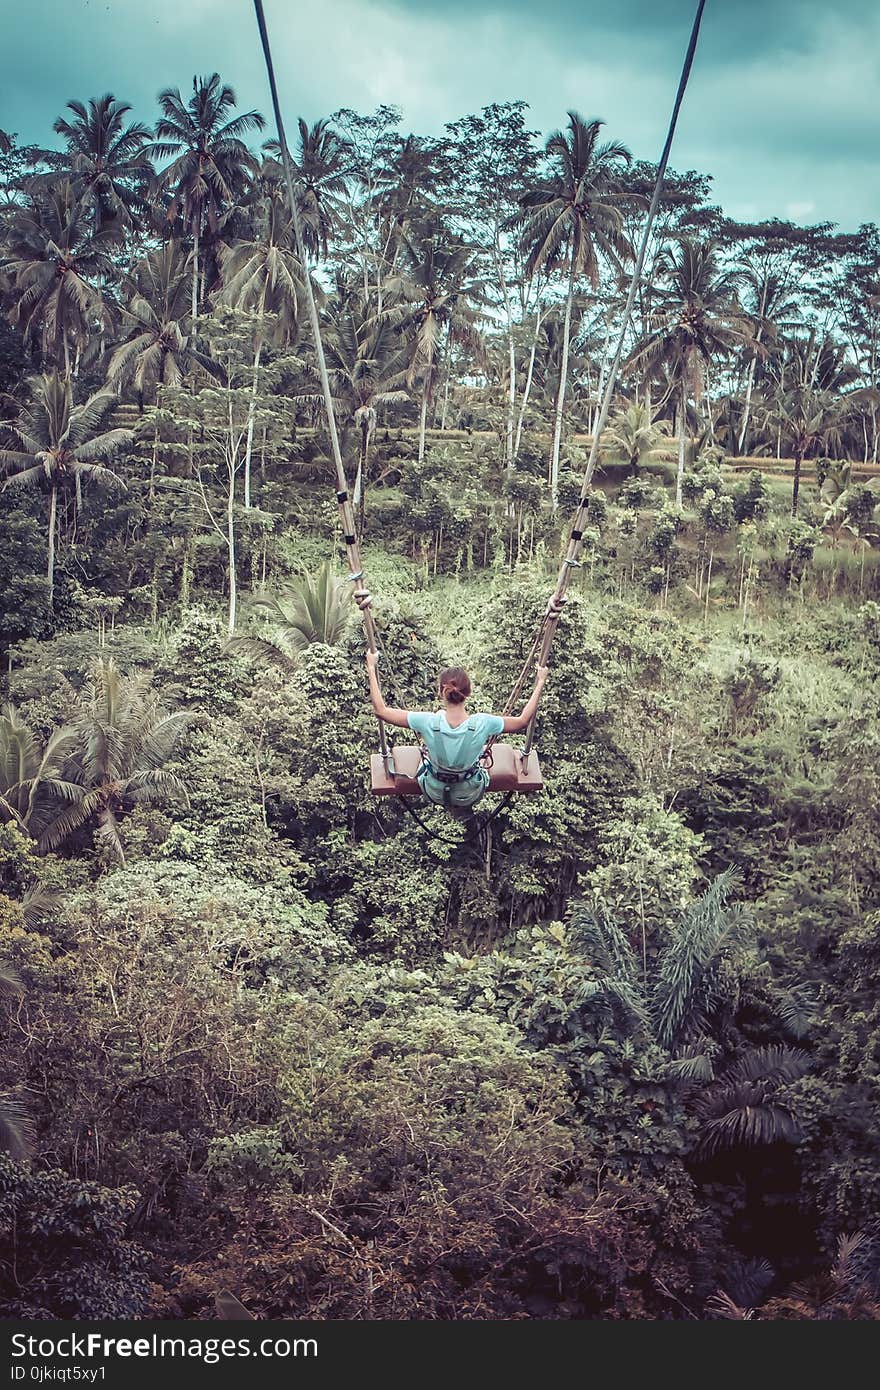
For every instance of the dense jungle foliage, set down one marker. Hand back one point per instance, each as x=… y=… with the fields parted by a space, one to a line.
x=619 y=1058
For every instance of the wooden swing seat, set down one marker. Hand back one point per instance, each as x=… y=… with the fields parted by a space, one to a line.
x=508 y=772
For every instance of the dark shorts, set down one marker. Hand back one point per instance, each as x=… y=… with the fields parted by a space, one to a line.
x=465 y=793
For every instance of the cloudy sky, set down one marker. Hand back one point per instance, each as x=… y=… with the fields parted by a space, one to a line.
x=783 y=107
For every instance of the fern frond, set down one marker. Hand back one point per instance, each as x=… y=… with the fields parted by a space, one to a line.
x=721 y=1305
x=694 y=1067
x=773 y=1063
x=16 y=1129
x=10 y=981
x=748 y=1119
x=66 y=822
x=262 y=650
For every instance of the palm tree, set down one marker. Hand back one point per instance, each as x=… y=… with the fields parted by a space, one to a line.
x=569 y=220
x=687 y=969
x=156 y=347
x=106 y=161
x=848 y=1292
x=55 y=262
x=316 y=609
x=672 y=1004
x=404 y=196
x=695 y=318
x=806 y=406
x=631 y=434
x=262 y=274
x=31 y=777
x=16 y=1126
x=324 y=164
x=368 y=369
x=56 y=442
x=437 y=296
x=770 y=308
x=209 y=159
x=744 y=1107
x=123 y=739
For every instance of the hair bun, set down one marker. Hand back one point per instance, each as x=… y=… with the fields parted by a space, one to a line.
x=454 y=684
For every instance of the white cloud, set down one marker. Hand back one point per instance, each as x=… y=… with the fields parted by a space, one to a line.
x=783 y=127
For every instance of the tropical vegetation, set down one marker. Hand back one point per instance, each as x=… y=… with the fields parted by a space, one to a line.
x=614 y=1053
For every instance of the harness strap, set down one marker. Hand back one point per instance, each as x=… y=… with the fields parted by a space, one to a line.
x=449 y=774
x=470 y=723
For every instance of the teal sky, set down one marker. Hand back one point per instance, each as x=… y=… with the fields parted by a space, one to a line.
x=783 y=108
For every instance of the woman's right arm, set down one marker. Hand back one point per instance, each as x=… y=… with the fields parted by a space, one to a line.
x=380 y=709
x=515 y=723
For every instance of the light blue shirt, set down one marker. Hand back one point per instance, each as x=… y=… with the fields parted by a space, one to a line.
x=457 y=748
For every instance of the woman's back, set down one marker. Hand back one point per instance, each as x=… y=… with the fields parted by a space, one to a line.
x=454 y=746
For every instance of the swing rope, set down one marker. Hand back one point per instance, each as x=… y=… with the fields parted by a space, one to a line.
x=549 y=622
x=479 y=828
x=543 y=640
x=360 y=592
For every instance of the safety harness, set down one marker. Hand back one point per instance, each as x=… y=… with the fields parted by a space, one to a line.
x=449 y=776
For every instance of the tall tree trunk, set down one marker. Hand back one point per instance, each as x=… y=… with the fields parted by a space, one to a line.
x=511 y=395
x=155 y=458
x=527 y=389
x=796 y=485
x=53 y=521
x=423 y=420
x=749 y=386
x=185 y=572
x=707 y=401
x=252 y=410
x=230 y=547
x=511 y=349
x=154 y=595
x=682 y=435
x=153 y=462
x=560 y=398
x=445 y=396
x=362 y=474
x=195 y=278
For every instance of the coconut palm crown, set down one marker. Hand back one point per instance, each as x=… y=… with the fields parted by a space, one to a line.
x=123 y=740
x=106 y=161
x=56 y=442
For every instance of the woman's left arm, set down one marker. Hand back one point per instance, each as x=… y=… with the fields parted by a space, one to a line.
x=380 y=709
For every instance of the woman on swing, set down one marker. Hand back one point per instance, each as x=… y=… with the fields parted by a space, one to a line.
x=451 y=774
